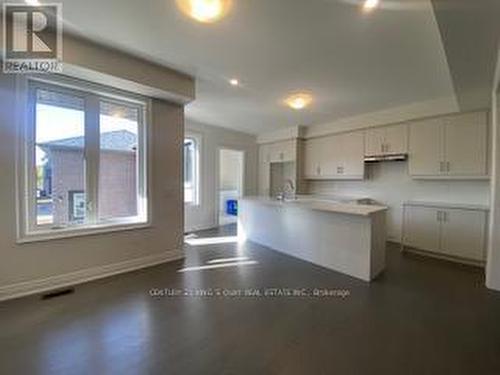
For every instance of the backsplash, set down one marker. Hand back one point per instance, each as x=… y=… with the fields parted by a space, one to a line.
x=390 y=184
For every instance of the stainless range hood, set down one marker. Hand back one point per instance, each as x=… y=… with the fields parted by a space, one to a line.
x=379 y=158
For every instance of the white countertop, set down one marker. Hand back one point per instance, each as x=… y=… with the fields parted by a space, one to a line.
x=321 y=205
x=438 y=204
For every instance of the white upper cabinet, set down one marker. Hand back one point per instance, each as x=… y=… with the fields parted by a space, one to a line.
x=264 y=154
x=426 y=151
x=335 y=157
x=313 y=149
x=387 y=140
x=375 y=140
x=449 y=147
x=282 y=151
x=352 y=161
x=466 y=144
x=396 y=139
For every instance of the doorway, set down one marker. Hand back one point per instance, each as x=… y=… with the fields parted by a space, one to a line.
x=230 y=184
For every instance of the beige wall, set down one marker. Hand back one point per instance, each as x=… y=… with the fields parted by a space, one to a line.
x=493 y=262
x=38 y=265
x=41 y=265
x=92 y=62
x=34 y=261
x=213 y=138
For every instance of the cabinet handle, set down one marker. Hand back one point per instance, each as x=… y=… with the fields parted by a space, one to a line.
x=438 y=215
x=445 y=216
x=441 y=166
x=448 y=166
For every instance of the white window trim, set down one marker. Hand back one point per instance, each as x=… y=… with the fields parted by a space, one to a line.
x=197 y=169
x=25 y=191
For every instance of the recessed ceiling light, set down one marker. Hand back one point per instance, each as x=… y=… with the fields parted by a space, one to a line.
x=206 y=11
x=32 y=2
x=369 y=5
x=299 y=100
x=234 y=82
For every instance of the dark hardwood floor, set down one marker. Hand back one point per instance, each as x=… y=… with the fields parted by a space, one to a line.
x=422 y=316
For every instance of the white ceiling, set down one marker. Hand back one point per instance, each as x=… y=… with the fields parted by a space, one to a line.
x=354 y=63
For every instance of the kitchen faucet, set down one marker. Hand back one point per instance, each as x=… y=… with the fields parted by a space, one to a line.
x=289 y=189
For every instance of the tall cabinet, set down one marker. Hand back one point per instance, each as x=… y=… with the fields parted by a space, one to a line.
x=280 y=157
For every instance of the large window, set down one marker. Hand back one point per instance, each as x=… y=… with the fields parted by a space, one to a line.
x=191 y=170
x=85 y=159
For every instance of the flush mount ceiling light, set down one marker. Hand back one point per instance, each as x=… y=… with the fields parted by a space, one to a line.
x=369 y=5
x=299 y=100
x=205 y=11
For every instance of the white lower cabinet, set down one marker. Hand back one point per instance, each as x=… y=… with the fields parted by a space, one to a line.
x=463 y=233
x=421 y=228
x=454 y=232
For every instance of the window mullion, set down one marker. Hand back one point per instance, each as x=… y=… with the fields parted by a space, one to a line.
x=92 y=154
x=29 y=157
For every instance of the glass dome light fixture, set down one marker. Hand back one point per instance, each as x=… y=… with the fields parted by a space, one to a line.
x=205 y=11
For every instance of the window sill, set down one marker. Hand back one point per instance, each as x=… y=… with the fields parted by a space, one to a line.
x=90 y=230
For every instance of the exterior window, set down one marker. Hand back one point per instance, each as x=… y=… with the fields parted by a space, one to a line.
x=191 y=171
x=59 y=155
x=87 y=160
x=118 y=190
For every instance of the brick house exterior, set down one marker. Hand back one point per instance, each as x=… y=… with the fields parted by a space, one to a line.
x=117 y=176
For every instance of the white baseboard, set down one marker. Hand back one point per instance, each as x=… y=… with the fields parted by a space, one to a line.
x=82 y=276
x=196 y=228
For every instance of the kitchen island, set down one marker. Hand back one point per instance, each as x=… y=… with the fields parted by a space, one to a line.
x=347 y=237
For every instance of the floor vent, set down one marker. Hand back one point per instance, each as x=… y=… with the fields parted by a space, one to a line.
x=58 y=293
